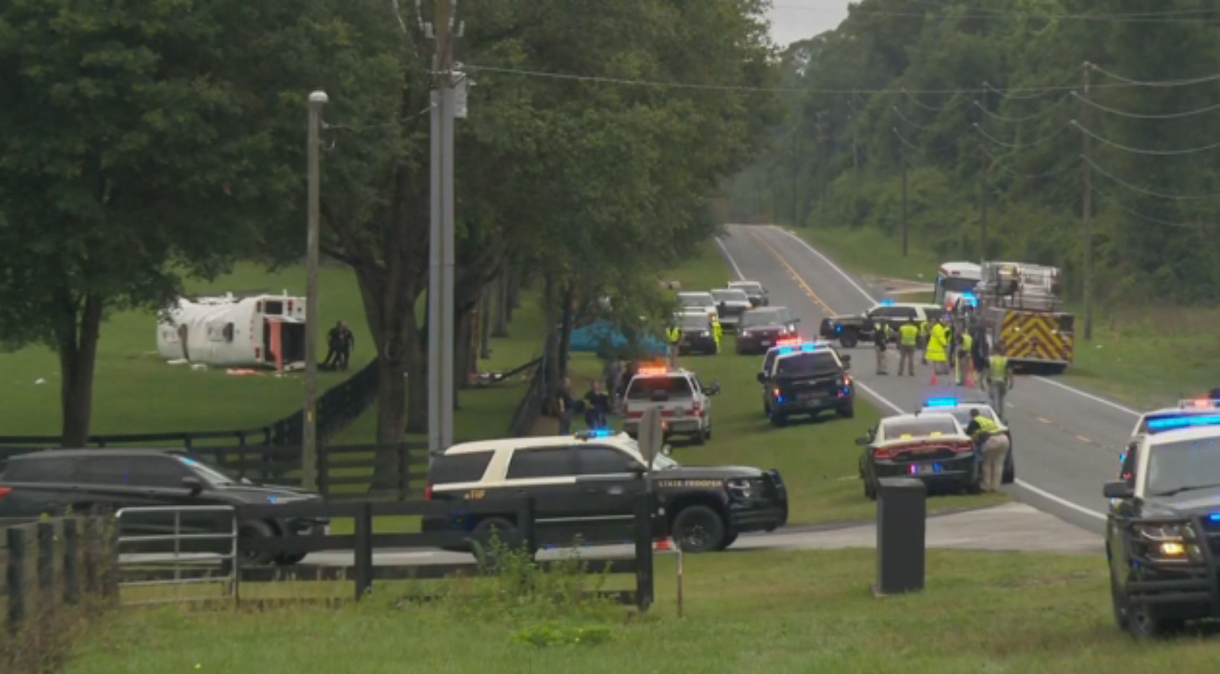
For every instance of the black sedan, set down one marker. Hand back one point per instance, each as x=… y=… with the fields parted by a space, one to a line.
x=761 y=328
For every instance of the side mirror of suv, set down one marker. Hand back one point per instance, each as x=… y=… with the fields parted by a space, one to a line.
x=1120 y=490
x=192 y=484
x=714 y=389
x=846 y=358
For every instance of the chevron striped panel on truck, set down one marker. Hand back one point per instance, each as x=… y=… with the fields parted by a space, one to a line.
x=1031 y=336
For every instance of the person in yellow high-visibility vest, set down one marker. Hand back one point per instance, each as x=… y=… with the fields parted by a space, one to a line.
x=908 y=341
x=963 y=362
x=925 y=329
x=717 y=331
x=673 y=335
x=999 y=379
x=937 y=352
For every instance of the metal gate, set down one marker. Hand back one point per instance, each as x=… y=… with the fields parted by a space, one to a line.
x=167 y=573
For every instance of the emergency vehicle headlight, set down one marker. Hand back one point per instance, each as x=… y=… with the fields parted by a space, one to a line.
x=740 y=488
x=1172 y=549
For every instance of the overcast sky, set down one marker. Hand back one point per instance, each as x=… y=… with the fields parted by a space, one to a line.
x=793 y=20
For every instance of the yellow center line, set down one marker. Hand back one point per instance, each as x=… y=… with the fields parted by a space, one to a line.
x=1044 y=420
x=795 y=275
x=1084 y=439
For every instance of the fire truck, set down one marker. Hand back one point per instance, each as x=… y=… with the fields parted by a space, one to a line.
x=1018 y=307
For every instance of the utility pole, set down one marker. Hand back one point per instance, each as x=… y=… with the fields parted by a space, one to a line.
x=903 y=151
x=855 y=160
x=984 y=184
x=309 y=430
x=441 y=337
x=1086 y=210
x=823 y=169
x=796 y=172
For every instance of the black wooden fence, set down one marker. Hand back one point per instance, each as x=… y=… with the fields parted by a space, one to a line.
x=55 y=564
x=532 y=403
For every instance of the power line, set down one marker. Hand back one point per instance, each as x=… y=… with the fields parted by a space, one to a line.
x=1070 y=163
x=925 y=106
x=921 y=150
x=1014 y=94
x=385 y=125
x=1136 y=115
x=1109 y=198
x=1203 y=79
x=1034 y=92
x=903 y=117
x=1039 y=141
x=1136 y=150
x=1017 y=120
x=1141 y=190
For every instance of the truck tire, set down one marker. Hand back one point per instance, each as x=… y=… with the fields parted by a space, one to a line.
x=849 y=339
x=1146 y=624
x=495 y=528
x=1119 y=602
x=252 y=531
x=700 y=437
x=870 y=490
x=289 y=560
x=847 y=411
x=1010 y=470
x=728 y=540
x=779 y=419
x=698 y=528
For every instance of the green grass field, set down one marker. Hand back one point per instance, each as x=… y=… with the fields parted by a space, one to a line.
x=1145 y=355
x=799 y=611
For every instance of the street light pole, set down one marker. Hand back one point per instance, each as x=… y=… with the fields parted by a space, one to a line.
x=309 y=434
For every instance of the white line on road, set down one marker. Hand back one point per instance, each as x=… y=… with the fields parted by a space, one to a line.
x=833 y=266
x=732 y=262
x=1090 y=396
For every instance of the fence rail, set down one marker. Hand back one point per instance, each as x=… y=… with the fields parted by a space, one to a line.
x=531 y=405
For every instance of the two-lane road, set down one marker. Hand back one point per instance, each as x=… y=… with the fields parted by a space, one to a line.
x=1066 y=442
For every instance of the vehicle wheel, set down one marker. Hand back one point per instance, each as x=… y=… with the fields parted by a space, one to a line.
x=495 y=529
x=728 y=540
x=700 y=437
x=250 y=532
x=779 y=420
x=707 y=434
x=849 y=339
x=847 y=412
x=1119 y=602
x=870 y=490
x=698 y=529
x=289 y=560
x=1145 y=624
x=1010 y=470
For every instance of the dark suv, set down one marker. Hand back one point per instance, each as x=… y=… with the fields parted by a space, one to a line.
x=53 y=481
x=807 y=379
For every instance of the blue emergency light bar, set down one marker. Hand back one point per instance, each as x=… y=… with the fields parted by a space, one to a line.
x=1170 y=423
x=806 y=348
x=970 y=299
x=1214 y=517
x=595 y=433
x=886 y=303
x=940 y=402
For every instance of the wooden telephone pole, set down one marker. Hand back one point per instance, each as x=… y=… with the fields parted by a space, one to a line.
x=984 y=183
x=1086 y=209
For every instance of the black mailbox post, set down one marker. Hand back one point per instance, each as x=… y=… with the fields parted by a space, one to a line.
x=901 y=523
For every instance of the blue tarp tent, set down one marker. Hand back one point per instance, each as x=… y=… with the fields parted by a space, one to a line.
x=596 y=336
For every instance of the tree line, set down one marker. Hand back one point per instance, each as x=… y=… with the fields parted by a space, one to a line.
x=1023 y=115
x=146 y=143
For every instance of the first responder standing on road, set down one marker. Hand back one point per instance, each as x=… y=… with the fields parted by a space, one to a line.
x=925 y=329
x=673 y=336
x=937 y=352
x=717 y=331
x=908 y=340
x=993 y=447
x=999 y=379
x=964 y=360
x=882 y=334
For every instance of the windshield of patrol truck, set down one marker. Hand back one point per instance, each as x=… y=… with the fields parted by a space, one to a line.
x=1182 y=466
x=807 y=363
x=918 y=428
x=690 y=322
x=695 y=300
x=642 y=388
x=760 y=317
x=730 y=296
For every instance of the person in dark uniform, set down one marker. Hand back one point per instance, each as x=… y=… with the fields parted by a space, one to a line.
x=597 y=406
x=347 y=342
x=334 y=342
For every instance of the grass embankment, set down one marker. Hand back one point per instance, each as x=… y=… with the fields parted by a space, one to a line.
x=805 y=611
x=135 y=391
x=1146 y=355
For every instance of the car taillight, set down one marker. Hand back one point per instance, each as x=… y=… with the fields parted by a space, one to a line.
x=846 y=380
x=883 y=453
x=696 y=410
x=5 y=491
x=962 y=447
x=428 y=493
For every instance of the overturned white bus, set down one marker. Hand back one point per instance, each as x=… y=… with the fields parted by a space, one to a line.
x=227 y=331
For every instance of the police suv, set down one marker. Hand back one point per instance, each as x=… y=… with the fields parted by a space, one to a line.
x=930 y=447
x=807 y=378
x=586 y=486
x=686 y=405
x=1163 y=529
x=960 y=410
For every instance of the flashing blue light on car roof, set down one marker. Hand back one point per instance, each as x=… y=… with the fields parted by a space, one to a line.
x=1214 y=517
x=940 y=402
x=886 y=303
x=809 y=346
x=1174 y=422
x=596 y=433
x=785 y=350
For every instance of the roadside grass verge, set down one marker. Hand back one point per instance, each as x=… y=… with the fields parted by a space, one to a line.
x=775 y=611
x=135 y=391
x=1146 y=355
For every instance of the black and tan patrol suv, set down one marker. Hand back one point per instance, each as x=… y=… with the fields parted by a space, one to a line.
x=585 y=486
x=1163 y=529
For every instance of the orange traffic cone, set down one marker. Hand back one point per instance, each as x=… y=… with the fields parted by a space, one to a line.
x=661 y=545
x=969 y=381
x=935 y=380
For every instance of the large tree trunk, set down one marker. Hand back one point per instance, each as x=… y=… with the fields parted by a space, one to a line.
x=76 y=343
x=502 y=310
x=485 y=325
x=417 y=384
x=514 y=291
x=463 y=330
x=567 y=315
